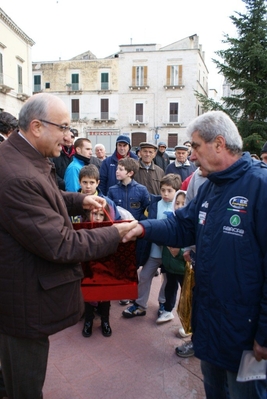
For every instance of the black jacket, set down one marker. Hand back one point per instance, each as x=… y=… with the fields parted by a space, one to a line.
x=162 y=160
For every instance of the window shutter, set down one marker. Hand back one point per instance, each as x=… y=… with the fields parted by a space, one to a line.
x=37 y=79
x=180 y=78
x=74 y=78
x=75 y=106
x=19 y=75
x=168 y=81
x=145 y=75
x=133 y=76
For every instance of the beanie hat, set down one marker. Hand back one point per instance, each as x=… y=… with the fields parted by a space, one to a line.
x=124 y=139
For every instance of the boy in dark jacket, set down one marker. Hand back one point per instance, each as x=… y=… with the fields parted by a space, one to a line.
x=127 y=193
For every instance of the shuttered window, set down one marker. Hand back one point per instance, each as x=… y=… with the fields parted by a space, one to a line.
x=139 y=76
x=139 y=112
x=75 y=81
x=37 y=83
x=19 y=79
x=104 y=104
x=174 y=75
x=75 y=109
x=173 y=112
x=104 y=81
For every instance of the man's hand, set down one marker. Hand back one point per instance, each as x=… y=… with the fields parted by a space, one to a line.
x=125 y=227
x=135 y=231
x=93 y=202
x=260 y=352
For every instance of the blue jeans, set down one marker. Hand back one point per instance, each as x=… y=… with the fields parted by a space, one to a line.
x=221 y=384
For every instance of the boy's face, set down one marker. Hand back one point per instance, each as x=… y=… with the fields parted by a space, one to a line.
x=180 y=200
x=88 y=185
x=97 y=215
x=121 y=172
x=167 y=193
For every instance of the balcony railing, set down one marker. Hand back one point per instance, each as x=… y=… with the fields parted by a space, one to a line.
x=24 y=92
x=6 y=83
x=139 y=85
x=37 y=88
x=172 y=120
x=105 y=117
x=75 y=116
x=104 y=86
x=74 y=87
x=138 y=120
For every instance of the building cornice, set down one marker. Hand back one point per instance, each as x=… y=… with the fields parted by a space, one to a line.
x=8 y=21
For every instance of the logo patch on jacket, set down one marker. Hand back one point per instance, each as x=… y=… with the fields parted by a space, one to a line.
x=238 y=204
x=135 y=205
x=202 y=217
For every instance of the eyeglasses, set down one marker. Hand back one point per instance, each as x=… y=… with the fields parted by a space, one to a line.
x=62 y=128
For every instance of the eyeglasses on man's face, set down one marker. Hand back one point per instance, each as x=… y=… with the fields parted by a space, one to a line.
x=62 y=128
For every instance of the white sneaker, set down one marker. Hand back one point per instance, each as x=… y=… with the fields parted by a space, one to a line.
x=165 y=316
x=182 y=333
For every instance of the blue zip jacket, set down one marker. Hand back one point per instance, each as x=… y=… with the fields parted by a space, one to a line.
x=227 y=221
x=71 y=176
x=108 y=171
x=134 y=197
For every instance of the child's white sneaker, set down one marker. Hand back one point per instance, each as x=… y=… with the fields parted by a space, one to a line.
x=165 y=316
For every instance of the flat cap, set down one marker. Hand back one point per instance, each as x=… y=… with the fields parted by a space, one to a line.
x=145 y=144
x=181 y=147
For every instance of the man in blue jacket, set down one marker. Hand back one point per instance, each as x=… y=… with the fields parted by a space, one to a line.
x=181 y=165
x=227 y=222
x=109 y=165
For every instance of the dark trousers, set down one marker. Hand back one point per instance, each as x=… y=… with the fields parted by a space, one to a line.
x=23 y=363
x=221 y=384
x=102 y=308
x=171 y=289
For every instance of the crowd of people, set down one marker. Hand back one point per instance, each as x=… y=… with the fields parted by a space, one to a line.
x=205 y=207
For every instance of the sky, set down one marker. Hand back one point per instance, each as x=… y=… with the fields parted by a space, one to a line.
x=62 y=29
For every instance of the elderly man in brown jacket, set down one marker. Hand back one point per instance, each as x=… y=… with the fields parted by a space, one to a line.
x=149 y=174
x=40 y=252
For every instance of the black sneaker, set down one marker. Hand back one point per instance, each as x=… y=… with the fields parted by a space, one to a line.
x=124 y=302
x=185 y=350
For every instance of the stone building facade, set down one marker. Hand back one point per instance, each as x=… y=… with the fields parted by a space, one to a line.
x=145 y=91
x=15 y=65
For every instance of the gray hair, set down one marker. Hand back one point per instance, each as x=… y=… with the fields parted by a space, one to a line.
x=36 y=107
x=100 y=146
x=217 y=123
